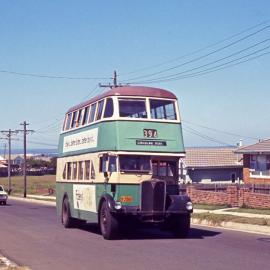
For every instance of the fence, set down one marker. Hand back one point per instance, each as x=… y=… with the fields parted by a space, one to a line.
x=234 y=195
x=255 y=188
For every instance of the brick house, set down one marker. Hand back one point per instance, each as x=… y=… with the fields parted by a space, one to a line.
x=256 y=162
x=212 y=164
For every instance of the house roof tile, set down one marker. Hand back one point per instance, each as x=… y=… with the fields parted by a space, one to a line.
x=205 y=157
x=260 y=147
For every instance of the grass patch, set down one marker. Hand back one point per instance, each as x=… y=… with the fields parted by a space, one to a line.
x=251 y=211
x=209 y=206
x=215 y=219
x=36 y=185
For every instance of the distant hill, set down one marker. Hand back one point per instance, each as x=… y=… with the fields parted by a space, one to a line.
x=47 y=152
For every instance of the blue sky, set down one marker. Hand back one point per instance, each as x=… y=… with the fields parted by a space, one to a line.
x=93 y=38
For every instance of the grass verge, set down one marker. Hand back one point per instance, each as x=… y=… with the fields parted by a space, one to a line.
x=251 y=211
x=209 y=207
x=36 y=185
x=217 y=220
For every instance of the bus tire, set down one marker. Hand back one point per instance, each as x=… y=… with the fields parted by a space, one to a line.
x=109 y=225
x=181 y=226
x=67 y=220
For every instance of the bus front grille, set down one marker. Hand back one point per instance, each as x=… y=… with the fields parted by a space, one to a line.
x=153 y=193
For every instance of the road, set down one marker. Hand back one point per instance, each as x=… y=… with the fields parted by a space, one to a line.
x=31 y=234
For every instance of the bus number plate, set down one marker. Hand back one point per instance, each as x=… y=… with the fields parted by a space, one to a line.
x=150 y=133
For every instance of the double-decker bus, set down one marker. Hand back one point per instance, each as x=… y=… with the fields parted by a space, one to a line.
x=119 y=161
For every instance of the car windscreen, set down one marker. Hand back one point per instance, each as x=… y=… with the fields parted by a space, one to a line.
x=1 y=189
x=130 y=163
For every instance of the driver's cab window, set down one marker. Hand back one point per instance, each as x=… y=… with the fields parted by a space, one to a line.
x=166 y=170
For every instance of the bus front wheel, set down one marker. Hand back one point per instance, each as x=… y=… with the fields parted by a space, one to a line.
x=181 y=226
x=67 y=220
x=109 y=225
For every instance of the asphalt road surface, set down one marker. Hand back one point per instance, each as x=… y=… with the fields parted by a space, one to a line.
x=31 y=234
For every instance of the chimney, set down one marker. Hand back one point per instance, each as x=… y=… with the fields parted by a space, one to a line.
x=240 y=143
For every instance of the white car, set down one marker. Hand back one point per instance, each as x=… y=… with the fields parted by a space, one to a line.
x=3 y=196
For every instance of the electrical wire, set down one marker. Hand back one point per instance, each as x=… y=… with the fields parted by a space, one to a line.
x=218 y=60
x=206 y=137
x=51 y=76
x=220 y=131
x=201 y=57
x=196 y=51
x=211 y=70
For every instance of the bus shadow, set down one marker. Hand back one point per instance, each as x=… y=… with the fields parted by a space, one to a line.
x=153 y=233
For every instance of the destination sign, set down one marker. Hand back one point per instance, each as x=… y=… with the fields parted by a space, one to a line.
x=150 y=133
x=151 y=142
x=80 y=141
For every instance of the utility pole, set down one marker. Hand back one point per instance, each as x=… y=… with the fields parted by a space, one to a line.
x=25 y=132
x=114 y=78
x=5 y=149
x=9 y=134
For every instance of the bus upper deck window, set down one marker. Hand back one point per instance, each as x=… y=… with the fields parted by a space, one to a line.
x=74 y=119
x=132 y=108
x=162 y=109
x=78 y=123
x=68 y=121
x=85 y=116
x=108 y=108
x=100 y=109
x=92 y=112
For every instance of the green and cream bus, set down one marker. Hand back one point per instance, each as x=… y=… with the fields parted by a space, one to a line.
x=119 y=161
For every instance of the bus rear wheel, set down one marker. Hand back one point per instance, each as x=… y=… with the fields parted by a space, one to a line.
x=109 y=225
x=67 y=220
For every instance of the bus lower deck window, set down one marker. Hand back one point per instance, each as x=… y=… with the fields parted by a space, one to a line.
x=69 y=170
x=74 y=169
x=135 y=163
x=80 y=170
x=93 y=174
x=87 y=170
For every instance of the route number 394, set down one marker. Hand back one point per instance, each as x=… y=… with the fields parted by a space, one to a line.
x=150 y=133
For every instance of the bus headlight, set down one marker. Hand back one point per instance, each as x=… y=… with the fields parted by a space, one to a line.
x=117 y=205
x=189 y=206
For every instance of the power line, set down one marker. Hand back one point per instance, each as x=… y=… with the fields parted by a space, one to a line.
x=220 y=131
x=196 y=51
x=206 y=137
x=51 y=76
x=212 y=69
x=218 y=60
x=201 y=57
